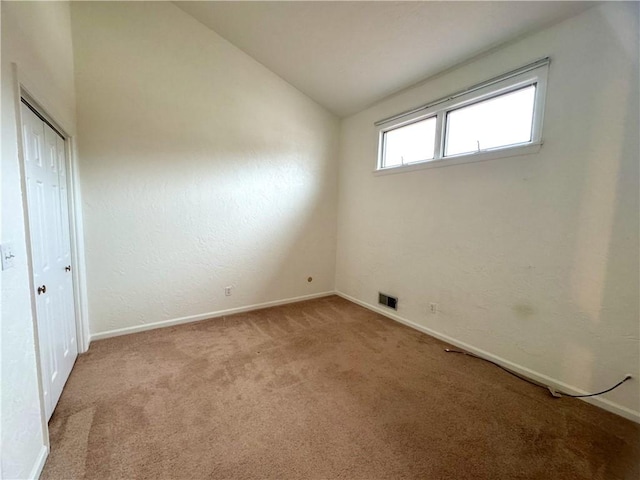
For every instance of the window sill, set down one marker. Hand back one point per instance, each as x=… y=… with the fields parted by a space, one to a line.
x=527 y=149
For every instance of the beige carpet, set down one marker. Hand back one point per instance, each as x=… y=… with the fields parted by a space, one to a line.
x=321 y=389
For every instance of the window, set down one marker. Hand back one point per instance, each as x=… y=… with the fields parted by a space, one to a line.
x=500 y=117
x=410 y=143
x=498 y=122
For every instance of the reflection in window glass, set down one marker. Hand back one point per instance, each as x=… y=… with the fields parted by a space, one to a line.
x=411 y=143
x=497 y=122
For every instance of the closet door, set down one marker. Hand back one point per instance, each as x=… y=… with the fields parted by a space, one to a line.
x=45 y=169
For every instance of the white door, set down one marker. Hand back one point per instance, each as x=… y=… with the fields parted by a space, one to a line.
x=45 y=169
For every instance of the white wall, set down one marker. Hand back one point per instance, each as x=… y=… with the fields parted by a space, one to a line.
x=532 y=259
x=200 y=169
x=36 y=36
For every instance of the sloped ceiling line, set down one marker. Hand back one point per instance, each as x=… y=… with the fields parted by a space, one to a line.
x=348 y=55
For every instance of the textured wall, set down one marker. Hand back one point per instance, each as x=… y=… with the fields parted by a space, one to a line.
x=200 y=169
x=533 y=258
x=36 y=36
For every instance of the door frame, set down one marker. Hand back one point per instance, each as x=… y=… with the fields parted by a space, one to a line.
x=76 y=233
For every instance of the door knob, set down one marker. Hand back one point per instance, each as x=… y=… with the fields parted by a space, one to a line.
x=68 y=268
x=42 y=289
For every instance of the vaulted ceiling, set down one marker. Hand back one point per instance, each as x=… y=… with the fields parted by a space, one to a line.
x=348 y=55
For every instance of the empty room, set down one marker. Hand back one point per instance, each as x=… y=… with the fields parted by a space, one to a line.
x=320 y=240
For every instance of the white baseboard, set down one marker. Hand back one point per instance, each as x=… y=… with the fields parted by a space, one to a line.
x=39 y=465
x=204 y=316
x=538 y=377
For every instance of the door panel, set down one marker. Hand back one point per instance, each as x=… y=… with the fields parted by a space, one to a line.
x=65 y=285
x=39 y=227
x=45 y=169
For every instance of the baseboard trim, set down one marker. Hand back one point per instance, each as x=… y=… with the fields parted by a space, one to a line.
x=204 y=316
x=40 y=461
x=533 y=375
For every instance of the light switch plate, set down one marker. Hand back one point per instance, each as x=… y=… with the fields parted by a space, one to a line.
x=8 y=257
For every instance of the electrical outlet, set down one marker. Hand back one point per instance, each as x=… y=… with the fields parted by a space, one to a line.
x=433 y=308
x=227 y=290
x=8 y=257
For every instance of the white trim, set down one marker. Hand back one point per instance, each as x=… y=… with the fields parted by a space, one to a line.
x=439 y=110
x=504 y=152
x=79 y=271
x=538 y=377
x=76 y=236
x=205 y=316
x=17 y=94
x=36 y=471
x=518 y=71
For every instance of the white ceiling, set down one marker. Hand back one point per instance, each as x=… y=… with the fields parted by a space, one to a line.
x=348 y=55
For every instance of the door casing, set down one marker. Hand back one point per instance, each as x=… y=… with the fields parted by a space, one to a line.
x=76 y=234
x=48 y=203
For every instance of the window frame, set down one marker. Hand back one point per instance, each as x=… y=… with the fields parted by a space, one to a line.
x=507 y=83
x=383 y=143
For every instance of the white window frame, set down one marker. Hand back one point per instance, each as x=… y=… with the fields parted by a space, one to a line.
x=532 y=74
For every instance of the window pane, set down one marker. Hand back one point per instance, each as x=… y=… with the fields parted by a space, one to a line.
x=497 y=122
x=412 y=143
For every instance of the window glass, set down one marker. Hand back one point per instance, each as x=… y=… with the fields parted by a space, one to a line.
x=497 y=122
x=410 y=143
